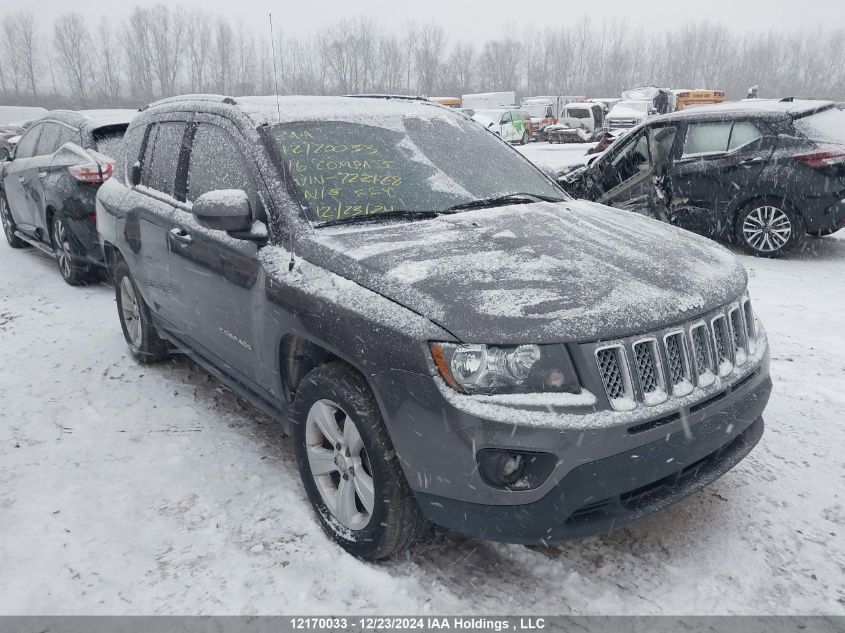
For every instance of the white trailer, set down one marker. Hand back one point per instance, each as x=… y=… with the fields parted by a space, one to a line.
x=488 y=100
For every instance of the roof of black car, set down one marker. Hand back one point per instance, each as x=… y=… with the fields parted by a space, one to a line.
x=92 y=118
x=757 y=107
x=267 y=110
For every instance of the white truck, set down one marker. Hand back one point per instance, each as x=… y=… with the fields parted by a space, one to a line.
x=488 y=101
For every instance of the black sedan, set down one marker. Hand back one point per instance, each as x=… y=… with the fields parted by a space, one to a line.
x=765 y=173
x=49 y=183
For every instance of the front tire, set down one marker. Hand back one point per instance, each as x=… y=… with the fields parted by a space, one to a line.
x=9 y=225
x=525 y=138
x=135 y=319
x=66 y=256
x=769 y=228
x=348 y=465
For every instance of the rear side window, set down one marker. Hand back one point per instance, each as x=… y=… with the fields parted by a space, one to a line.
x=68 y=135
x=719 y=137
x=26 y=146
x=160 y=165
x=49 y=140
x=109 y=144
x=216 y=163
x=131 y=151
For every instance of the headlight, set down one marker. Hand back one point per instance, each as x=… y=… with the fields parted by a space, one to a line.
x=474 y=368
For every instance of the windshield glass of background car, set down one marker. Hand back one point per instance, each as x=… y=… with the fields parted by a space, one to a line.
x=827 y=126
x=343 y=169
x=578 y=113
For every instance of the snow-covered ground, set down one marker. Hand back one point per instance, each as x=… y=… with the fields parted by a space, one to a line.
x=128 y=489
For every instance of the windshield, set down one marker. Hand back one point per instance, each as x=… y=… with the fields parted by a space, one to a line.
x=344 y=169
x=537 y=111
x=578 y=113
x=827 y=126
x=625 y=107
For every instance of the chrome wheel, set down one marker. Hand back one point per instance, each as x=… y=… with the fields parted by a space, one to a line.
x=61 y=246
x=339 y=464
x=767 y=229
x=6 y=219
x=130 y=311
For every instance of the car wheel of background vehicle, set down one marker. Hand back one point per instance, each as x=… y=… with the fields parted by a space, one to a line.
x=769 y=228
x=525 y=138
x=72 y=273
x=135 y=319
x=9 y=225
x=348 y=465
x=824 y=233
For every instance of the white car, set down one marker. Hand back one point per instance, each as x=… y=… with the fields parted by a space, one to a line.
x=628 y=114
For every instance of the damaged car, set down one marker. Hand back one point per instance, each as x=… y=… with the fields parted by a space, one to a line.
x=445 y=343
x=765 y=174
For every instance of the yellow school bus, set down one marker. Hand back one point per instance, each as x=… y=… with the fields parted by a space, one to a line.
x=698 y=97
x=452 y=102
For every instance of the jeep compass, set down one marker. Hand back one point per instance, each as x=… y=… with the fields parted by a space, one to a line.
x=447 y=337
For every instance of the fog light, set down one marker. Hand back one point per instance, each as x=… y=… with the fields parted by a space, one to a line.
x=514 y=470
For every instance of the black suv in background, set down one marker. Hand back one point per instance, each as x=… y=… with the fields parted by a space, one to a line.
x=445 y=342
x=50 y=182
x=764 y=173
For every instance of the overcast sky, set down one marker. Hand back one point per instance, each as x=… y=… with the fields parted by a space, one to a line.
x=478 y=20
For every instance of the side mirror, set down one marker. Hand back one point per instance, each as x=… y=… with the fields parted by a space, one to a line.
x=224 y=210
x=491 y=124
x=5 y=154
x=135 y=174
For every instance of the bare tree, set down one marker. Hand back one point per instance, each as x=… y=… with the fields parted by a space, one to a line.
x=73 y=44
x=25 y=25
x=13 y=60
x=198 y=42
x=428 y=48
x=107 y=62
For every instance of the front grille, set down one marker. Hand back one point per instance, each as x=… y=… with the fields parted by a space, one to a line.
x=722 y=345
x=680 y=376
x=611 y=366
x=647 y=367
x=738 y=336
x=650 y=370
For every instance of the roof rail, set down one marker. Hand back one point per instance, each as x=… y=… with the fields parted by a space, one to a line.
x=193 y=97
x=390 y=96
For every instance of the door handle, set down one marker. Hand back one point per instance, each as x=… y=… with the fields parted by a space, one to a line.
x=752 y=161
x=181 y=236
x=42 y=174
x=21 y=179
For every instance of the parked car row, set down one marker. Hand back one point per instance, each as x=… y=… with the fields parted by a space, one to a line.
x=447 y=336
x=764 y=173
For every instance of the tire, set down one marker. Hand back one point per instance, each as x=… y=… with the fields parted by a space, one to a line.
x=379 y=517
x=73 y=273
x=9 y=225
x=525 y=138
x=824 y=233
x=769 y=228
x=135 y=319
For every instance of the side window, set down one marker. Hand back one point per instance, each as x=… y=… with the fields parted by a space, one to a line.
x=49 y=139
x=131 y=152
x=506 y=117
x=707 y=138
x=159 y=172
x=664 y=138
x=217 y=163
x=745 y=135
x=26 y=146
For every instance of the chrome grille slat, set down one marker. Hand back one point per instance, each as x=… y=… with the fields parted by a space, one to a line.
x=649 y=370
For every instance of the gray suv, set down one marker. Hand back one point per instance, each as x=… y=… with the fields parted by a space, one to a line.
x=445 y=334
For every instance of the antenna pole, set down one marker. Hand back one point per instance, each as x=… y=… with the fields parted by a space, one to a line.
x=275 y=70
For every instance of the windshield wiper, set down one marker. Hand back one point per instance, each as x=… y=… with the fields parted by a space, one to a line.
x=497 y=201
x=379 y=217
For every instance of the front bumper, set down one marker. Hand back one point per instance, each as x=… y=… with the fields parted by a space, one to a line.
x=612 y=470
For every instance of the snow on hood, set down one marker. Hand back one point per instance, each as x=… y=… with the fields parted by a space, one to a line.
x=536 y=273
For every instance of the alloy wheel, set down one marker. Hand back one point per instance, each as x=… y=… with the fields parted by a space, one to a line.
x=339 y=464
x=61 y=244
x=130 y=311
x=767 y=229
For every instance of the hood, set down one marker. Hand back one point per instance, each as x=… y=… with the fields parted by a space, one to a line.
x=536 y=273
